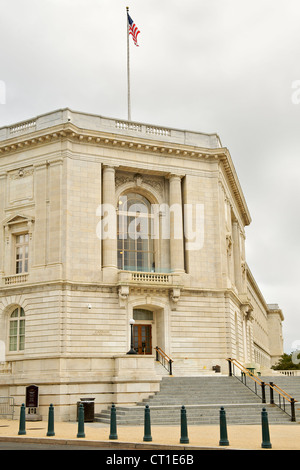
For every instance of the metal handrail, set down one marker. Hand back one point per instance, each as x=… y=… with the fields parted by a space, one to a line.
x=285 y=396
x=246 y=373
x=164 y=359
x=273 y=387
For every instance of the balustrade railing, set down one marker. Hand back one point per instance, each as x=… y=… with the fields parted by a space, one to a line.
x=150 y=277
x=135 y=126
x=15 y=279
x=23 y=126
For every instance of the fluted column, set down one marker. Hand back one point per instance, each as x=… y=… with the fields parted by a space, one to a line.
x=176 y=225
x=109 y=231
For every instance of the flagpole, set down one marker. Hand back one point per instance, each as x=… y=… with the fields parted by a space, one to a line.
x=128 y=68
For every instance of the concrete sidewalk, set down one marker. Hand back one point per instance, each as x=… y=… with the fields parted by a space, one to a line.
x=244 y=437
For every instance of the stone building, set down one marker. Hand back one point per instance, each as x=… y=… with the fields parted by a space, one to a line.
x=106 y=221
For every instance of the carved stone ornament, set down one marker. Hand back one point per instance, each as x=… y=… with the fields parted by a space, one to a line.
x=122 y=179
x=247 y=312
x=229 y=243
x=244 y=269
x=175 y=294
x=123 y=292
x=21 y=173
x=139 y=180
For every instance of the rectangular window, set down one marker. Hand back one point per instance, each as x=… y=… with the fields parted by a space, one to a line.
x=22 y=242
x=22 y=335
x=13 y=335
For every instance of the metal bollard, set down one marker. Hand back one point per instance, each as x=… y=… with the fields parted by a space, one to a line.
x=113 y=423
x=22 y=426
x=51 y=421
x=147 y=425
x=223 y=428
x=184 y=432
x=266 y=444
x=80 y=432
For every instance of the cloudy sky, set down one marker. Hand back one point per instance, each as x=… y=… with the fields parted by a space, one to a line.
x=225 y=66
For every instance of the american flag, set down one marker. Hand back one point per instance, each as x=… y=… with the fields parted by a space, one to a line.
x=133 y=29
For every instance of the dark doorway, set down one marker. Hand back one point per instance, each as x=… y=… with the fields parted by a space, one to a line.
x=142 y=339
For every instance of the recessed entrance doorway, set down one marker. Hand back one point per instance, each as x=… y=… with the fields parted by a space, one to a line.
x=142 y=331
x=142 y=339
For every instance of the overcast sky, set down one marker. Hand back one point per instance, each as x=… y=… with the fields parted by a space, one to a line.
x=225 y=66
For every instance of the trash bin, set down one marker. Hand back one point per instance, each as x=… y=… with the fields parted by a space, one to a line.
x=89 y=409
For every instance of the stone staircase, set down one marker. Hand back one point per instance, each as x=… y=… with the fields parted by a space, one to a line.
x=202 y=398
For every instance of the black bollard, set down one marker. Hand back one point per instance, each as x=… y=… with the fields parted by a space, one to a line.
x=266 y=444
x=51 y=421
x=113 y=423
x=147 y=425
x=223 y=428
x=22 y=426
x=184 y=432
x=80 y=432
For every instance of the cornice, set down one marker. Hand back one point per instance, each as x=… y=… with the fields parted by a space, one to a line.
x=68 y=131
x=229 y=169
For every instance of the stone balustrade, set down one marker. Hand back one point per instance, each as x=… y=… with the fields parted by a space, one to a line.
x=15 y=279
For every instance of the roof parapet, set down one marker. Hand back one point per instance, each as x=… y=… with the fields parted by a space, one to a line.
x=117 y=126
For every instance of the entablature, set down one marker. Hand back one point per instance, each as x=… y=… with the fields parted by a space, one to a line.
x=128 y=136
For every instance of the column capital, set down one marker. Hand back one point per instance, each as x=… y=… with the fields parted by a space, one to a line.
x=109 y=167
x=174 y=176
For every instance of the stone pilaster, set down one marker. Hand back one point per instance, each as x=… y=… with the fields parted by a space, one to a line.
x=237 y=256
x=176 y=225
x=109 y=229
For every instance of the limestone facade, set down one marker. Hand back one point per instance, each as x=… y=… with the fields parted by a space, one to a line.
x=103 y=221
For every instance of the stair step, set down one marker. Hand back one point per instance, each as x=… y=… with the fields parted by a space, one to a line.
x=202 y=398
x=207 y=415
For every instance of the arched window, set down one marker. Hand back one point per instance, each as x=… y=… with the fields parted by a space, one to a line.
x=17 y=330
x=135 y=243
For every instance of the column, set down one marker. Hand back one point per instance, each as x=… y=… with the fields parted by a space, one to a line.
x=176 y=225
x=109 y=228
